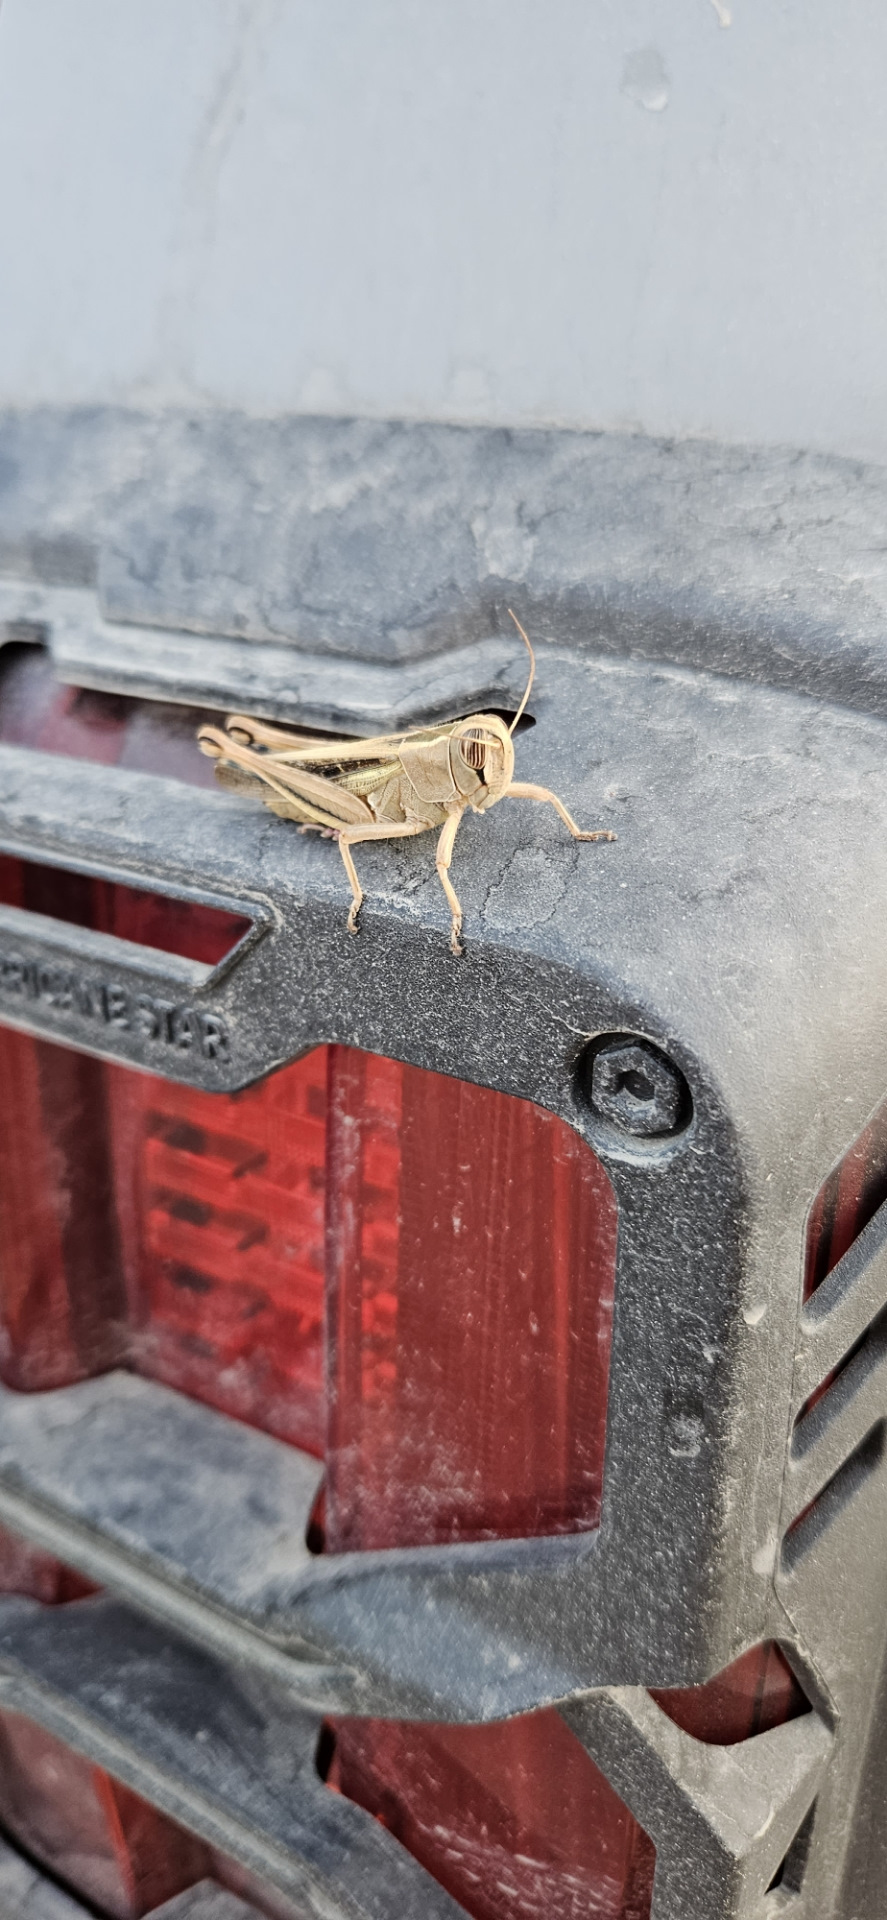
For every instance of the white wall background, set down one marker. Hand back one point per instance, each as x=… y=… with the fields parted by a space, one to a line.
x=597 y=212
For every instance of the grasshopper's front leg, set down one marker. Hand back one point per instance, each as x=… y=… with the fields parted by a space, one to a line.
x=444 y=856
x=525 y=790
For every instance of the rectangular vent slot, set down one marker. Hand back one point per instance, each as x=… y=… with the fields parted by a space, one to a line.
x=835 y=1392
x=186 y=928
x=847 y=1200
x=755 y=1693
x=835 y=1496
x=39 y=710
x=96 y=1836
x=789 y=1875
x=514 y=1820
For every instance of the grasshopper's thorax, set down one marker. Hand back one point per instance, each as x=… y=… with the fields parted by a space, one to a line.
x=481 y=759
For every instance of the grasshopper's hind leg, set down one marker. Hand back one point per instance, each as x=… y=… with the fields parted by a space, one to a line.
x=524 y=790
x=349 y=837
x=444 y=856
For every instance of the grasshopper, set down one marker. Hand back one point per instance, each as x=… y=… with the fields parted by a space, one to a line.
x=387 y=788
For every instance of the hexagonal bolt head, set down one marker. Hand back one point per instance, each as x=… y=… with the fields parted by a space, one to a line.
x=638 y=1089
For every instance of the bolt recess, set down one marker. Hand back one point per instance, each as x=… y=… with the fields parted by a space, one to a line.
x=637 y=1089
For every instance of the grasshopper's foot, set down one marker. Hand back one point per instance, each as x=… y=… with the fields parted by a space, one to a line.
x=456 y=947
x=352 y=917
x=602 y=833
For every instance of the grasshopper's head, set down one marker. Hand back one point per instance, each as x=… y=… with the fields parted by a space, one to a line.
x=481 y=759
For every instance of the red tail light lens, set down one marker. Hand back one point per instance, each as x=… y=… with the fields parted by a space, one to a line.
x=514 y=1820
x=471 y=1263
x=62 y=1297
x=470 y=1260
x=220 y=1213
x=472 y=1252
x=88 y=1830
x=176 y=1231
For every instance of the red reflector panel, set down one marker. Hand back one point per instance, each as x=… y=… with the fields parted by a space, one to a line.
x=472 y=1251
x=91 y=1832
x=62 y=1300
x=183 y=927
x=220 y=1210
x=175 y=1231
x=514 y=1820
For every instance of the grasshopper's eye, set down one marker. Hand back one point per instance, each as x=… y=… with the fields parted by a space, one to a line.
x=473 y=747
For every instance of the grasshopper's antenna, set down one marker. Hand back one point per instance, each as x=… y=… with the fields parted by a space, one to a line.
x=532 y=671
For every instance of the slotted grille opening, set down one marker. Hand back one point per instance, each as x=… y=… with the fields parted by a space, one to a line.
x=471 y=1260
x=755 y=1693
x=789 y=1874
x=408 y=1276
x=847 y=1200
x=187 y=928
x=96 y=1839
x=89 y=1833
x=834 y=1497
x=39 y=710
x=841 y=1383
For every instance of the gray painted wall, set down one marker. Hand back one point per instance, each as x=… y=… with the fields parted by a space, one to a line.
x=606 y=213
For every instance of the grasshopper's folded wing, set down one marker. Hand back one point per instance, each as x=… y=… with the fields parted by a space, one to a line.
x=315 y=750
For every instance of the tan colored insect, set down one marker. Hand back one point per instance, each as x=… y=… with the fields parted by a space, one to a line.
x=386 y=788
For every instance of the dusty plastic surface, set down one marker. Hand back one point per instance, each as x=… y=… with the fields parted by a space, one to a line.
x=207 y=1901
x=738 y=925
